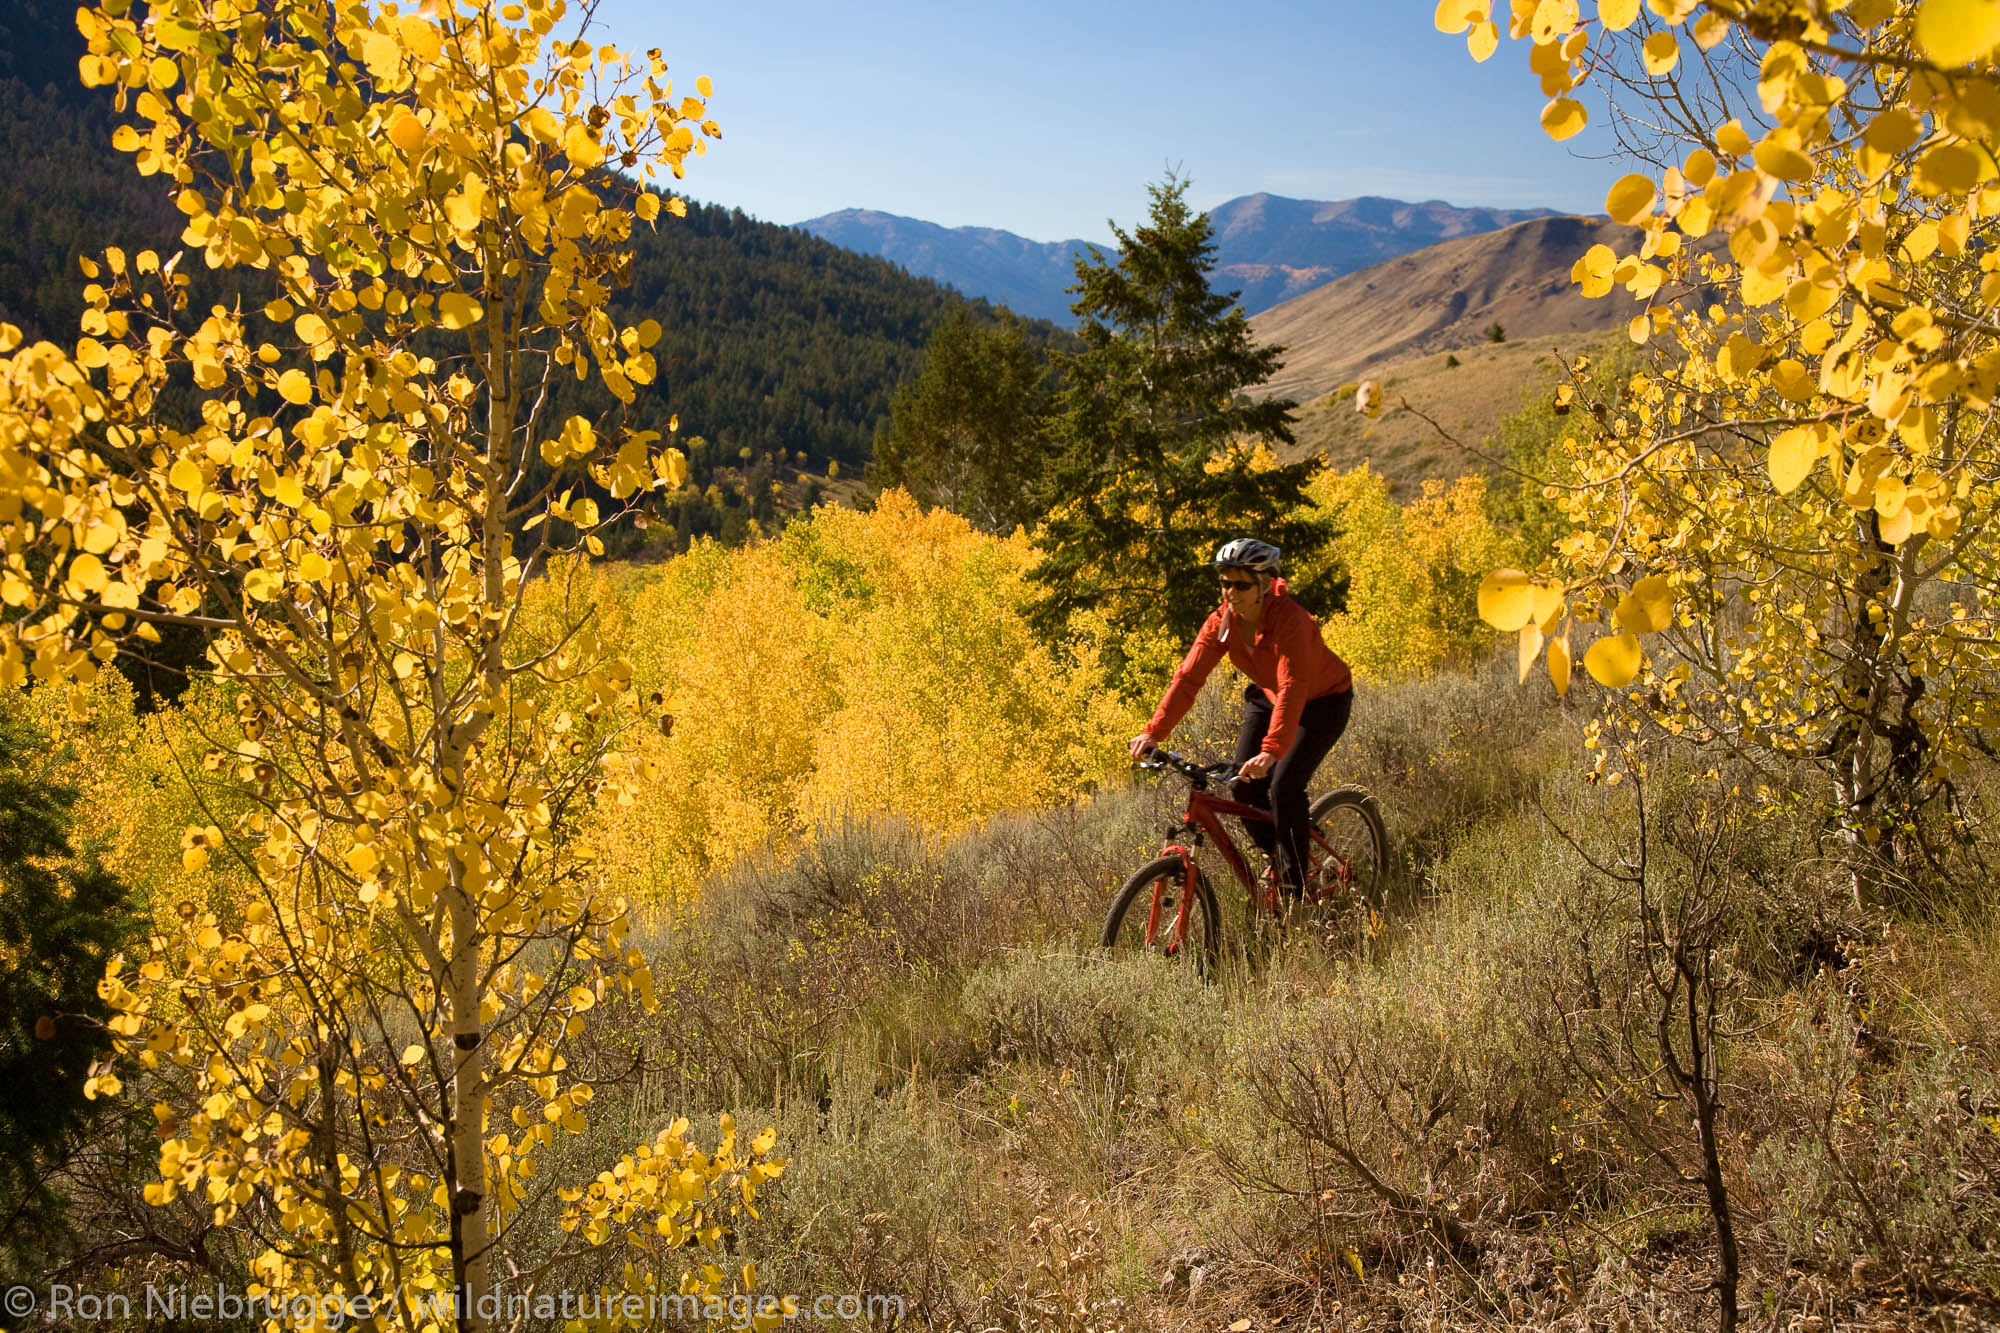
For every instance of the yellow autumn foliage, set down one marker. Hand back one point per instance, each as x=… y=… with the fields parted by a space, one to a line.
x=1411 y=570
x=859 y=663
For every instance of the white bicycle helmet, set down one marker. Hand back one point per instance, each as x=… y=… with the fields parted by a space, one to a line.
x=1248 y=553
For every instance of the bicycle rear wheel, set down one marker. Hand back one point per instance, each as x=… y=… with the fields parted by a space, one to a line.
x=1350 y=853
x=1125 y=925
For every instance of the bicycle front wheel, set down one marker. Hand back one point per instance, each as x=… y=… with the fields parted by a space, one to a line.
x=1350 y=853
x=1131 y=924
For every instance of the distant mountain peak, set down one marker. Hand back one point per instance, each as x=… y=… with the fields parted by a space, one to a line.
x=1269 y=247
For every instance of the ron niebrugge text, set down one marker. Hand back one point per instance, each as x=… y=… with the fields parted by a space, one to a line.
x=334 y=1311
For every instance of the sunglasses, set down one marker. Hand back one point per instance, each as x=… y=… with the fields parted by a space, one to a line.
x=1239 y=585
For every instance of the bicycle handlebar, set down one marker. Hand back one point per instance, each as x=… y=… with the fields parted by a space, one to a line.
x=1199 y=774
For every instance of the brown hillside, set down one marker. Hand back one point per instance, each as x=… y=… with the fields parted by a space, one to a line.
x=1442 y=298
x=1464 y=403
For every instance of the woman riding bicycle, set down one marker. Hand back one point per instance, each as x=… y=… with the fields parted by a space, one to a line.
x=1296 y=705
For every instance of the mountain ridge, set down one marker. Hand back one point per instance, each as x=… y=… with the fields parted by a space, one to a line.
x=1269 y=248
x=1442 y=297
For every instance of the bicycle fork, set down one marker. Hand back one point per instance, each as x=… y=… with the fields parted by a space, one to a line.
x=1180 y=927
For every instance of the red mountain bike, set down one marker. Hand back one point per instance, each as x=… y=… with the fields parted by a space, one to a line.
x=1168 y=905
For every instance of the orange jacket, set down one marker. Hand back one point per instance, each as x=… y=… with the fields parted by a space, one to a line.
x=1287 y=659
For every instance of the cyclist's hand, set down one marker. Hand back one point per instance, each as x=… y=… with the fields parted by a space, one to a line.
x=1259 y=765
x=1142 y=745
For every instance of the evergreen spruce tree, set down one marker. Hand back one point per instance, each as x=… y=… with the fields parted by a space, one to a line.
x=1154 y=441
x=62 y=916
x=965 y=433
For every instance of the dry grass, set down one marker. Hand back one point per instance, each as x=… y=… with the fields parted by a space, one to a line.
x=1447 y=1122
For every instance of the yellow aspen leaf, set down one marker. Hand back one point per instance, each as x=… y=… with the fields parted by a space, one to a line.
x=363 y=859
x=1453 y=17
x=102 y=532
x=1740 y=358
x=1894 y=130
x=1553 y=21
x=383 y=56
x=1920 y=244
x=704 y=87
x=1793 y=454
x=1741 y=199
x=1791 y=378
x=1506 y=599
x=1660 y=53
x=1564 y=118
x=542 y=126
x=1952 y=168
x=185 y=476
x=1617 y=15
x=194 y=858
x=1559 y=665
x=647 y=206
x=456 y=310
x=580 y=147
x=413 y=1055
x=1709 y=30
x=1648 y=608
x=406 y=132
x=314 y=567
x=313 y=331
x=1953 y=32
x=295 y=386
x=289 y=493
x=1483 y=40
x=87 y=576
x=1974 y=113
x=1784 y=162
x=1806 y=300
x=1754 y=243
x=1529 y=649
x=1549 y=603
x=1732 y=139
x=1613 y=661
x=1594 y=270
x=1890 y=494
x=1630 y=199
x=1639 y=330
x=1896 y=528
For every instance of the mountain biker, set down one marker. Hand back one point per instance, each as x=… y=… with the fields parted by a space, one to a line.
x=1296 y=705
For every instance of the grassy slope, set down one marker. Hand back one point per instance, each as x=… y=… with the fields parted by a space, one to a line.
x=992 y=1120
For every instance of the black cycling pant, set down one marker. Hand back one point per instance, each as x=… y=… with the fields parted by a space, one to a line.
x=1283 y=792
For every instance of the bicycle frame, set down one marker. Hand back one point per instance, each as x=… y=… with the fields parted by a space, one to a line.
x=1203 y=818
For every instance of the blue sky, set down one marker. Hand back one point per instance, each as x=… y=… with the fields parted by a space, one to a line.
x=1047 y=118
